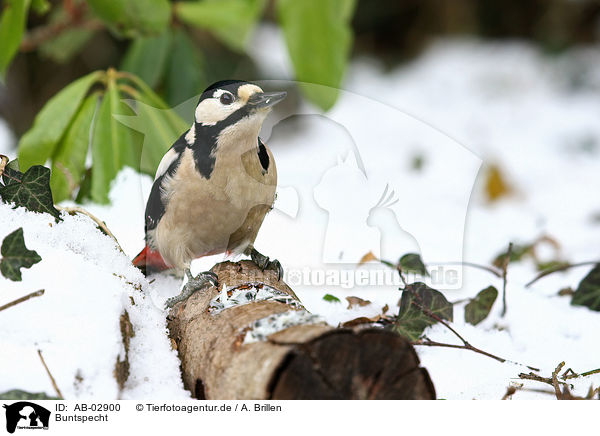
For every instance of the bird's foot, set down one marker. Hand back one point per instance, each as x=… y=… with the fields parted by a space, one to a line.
x=263 y=262
x=193 y=284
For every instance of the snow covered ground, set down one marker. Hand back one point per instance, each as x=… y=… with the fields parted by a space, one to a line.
x=461 y=106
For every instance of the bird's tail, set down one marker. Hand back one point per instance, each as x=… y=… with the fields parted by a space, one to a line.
x=150 y=261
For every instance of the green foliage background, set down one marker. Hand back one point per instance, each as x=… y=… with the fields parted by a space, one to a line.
x=162 y=65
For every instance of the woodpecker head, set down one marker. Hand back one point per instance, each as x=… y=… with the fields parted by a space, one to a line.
x=230 y=102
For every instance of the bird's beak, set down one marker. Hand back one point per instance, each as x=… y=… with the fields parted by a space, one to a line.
x=262 y=100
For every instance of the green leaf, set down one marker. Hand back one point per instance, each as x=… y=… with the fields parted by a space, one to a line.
x=12 y=26
x=40 y=7
x=416 y=299
x=147 y=58
x=32 y=192
x=185 y=76
x=16 y=256
x=518 y=253
x=331 y=298
x=133 y=18
x=68 y=163
x=158 y=130
x=551 y=265
x=112 y=144
x=479 y=307
x=66 y=45
x=19 y=395
x=412 y=263
x=588 y=292
x=229 y=20
x=39 y=142
x=318 y=36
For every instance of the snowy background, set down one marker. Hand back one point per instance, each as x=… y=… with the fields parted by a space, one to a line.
x=460 y=107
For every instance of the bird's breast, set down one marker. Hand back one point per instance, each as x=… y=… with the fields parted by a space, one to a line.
x=201 y=214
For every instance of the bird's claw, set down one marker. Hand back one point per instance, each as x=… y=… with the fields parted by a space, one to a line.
x=193 y=285
x=263 y=262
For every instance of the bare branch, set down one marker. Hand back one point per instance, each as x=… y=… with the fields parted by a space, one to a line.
x=487 y=268
x=560 y=268
x=20 y=300
x=54 y=385
x=466 y=345
x=504 y=271
x=100 y=223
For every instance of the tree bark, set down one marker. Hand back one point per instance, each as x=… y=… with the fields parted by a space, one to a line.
x=269 y=347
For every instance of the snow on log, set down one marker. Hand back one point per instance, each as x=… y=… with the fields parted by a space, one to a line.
x=251 y=338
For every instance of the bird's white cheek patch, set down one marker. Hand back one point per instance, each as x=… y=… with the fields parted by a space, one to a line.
x=210 y=111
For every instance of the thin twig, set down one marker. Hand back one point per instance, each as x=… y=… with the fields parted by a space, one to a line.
x=54 y=385
x=593 y=371
x=555 y=382
x=20 y=300
x=466 y=345
x=487 y=268
x=560 y=268
x=504 y=271
x=100 y=223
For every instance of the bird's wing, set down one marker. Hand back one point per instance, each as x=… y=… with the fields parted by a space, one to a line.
x=155 y=208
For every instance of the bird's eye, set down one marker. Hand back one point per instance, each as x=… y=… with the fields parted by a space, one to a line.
x=226 y=98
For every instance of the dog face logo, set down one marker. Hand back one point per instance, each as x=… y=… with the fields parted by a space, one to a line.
x=26 y=415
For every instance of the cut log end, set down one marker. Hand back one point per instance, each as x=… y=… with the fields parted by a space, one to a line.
x=306 y=361
x=341 y=364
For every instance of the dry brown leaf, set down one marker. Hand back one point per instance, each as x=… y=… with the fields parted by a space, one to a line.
x=496 y=185
x=384 y=309
x=361 y=320
x=367 y=258
x=356 y=301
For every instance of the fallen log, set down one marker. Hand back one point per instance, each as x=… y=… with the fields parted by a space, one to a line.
x=252 y=339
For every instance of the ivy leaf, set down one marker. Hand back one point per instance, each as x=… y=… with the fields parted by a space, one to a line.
x=229 y=20
x=39 y=142
x=12 y=26
x=331 y=298
x=16 y=256
x=318 y=36
x=19 y=395
x=412 y=263
x=147 y=58
x=416 y=299
x=68 y=163
x=32 y=192
x=588 y=292
x=133 y=18
x=479 y=307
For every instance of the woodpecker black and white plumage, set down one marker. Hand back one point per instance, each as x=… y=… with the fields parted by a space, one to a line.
x=214 y=186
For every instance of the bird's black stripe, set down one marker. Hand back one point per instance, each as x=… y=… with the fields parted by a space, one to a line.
x=206 y=139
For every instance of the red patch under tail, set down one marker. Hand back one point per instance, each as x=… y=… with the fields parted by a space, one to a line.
x=150 y=261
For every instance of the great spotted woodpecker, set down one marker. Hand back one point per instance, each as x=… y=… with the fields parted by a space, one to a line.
x=214 y=186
